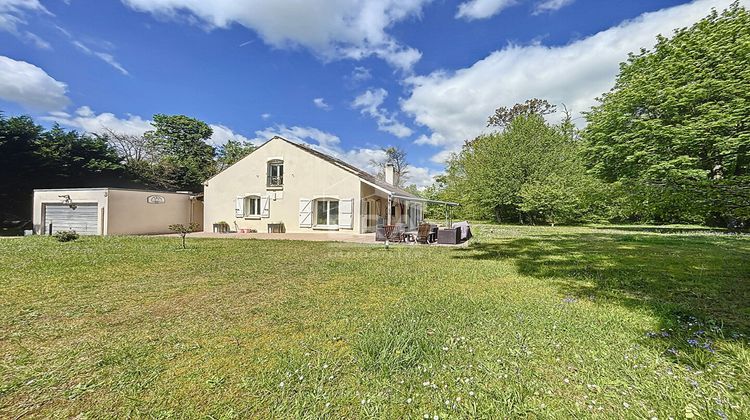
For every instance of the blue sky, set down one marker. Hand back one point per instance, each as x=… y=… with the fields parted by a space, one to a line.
x=346 y=76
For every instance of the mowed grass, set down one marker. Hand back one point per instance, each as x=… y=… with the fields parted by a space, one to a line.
x=529 y=322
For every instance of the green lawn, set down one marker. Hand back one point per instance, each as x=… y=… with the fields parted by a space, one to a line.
x=533 y=322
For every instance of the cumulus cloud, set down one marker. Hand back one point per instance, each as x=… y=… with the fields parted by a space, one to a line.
x=30 y=86
x=352 y=29
x=369 y=103
x=321 y=103
x=13 y=16
x=482 y=9
x=455 y=105
x=85 y=119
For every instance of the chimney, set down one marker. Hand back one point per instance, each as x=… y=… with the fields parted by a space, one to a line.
x=389 y=174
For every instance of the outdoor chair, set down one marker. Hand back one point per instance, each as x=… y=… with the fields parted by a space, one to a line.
x=397 y=234
x=423 y=233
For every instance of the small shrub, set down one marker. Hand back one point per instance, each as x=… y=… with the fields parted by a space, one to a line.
x=66 y=235
x=183 y=230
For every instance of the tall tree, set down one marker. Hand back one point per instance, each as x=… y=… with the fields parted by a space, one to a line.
x=395 y=156
x=32 y=157
x=231 y=152
x=185 y=160
x=530 y=171
x=676 y=126
x=503 y=116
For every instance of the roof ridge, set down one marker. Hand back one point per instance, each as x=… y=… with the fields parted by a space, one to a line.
x=362 y=174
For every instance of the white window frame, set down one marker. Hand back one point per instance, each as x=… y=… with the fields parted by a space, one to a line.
x=328 y=224
x=252 y=211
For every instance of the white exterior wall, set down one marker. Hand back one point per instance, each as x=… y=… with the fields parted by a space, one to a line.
x=306 y=176
x=98 y=196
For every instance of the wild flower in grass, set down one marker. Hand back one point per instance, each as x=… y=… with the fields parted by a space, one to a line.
x=409 y=400
x=673 y=352
x=471 y=393
x=328 y=404
x=626 y=405
x=692 y=342
x=569 y=300
x=281 y=384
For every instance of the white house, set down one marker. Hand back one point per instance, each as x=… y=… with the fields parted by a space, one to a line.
x=289 y=187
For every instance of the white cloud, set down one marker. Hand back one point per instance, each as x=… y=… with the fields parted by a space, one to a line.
x=222 y=134
x=421 y=177
x=299 y=134
x=455 y=105
x=13 y=14
x=335 y=29
x=360 y=74
x=321 y=103
x=551 y=5
x=106 y=57
x=369 y=103
x=265 y=116
x=87 y=120
x=482 y=9
x=30 y=86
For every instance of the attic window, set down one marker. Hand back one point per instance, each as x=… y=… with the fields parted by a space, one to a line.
x=275 y=173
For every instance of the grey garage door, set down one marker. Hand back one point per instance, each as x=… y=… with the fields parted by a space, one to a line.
x=83 y=219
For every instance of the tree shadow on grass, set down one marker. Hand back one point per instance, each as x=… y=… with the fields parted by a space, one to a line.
x=676 y=277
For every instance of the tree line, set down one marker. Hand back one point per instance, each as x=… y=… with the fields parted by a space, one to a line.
x=670 y=143
x=172 y=156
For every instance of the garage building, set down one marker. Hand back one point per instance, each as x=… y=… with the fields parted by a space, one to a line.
x=113 y=211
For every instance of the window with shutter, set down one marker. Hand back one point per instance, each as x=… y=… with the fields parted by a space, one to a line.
x=252 y=206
